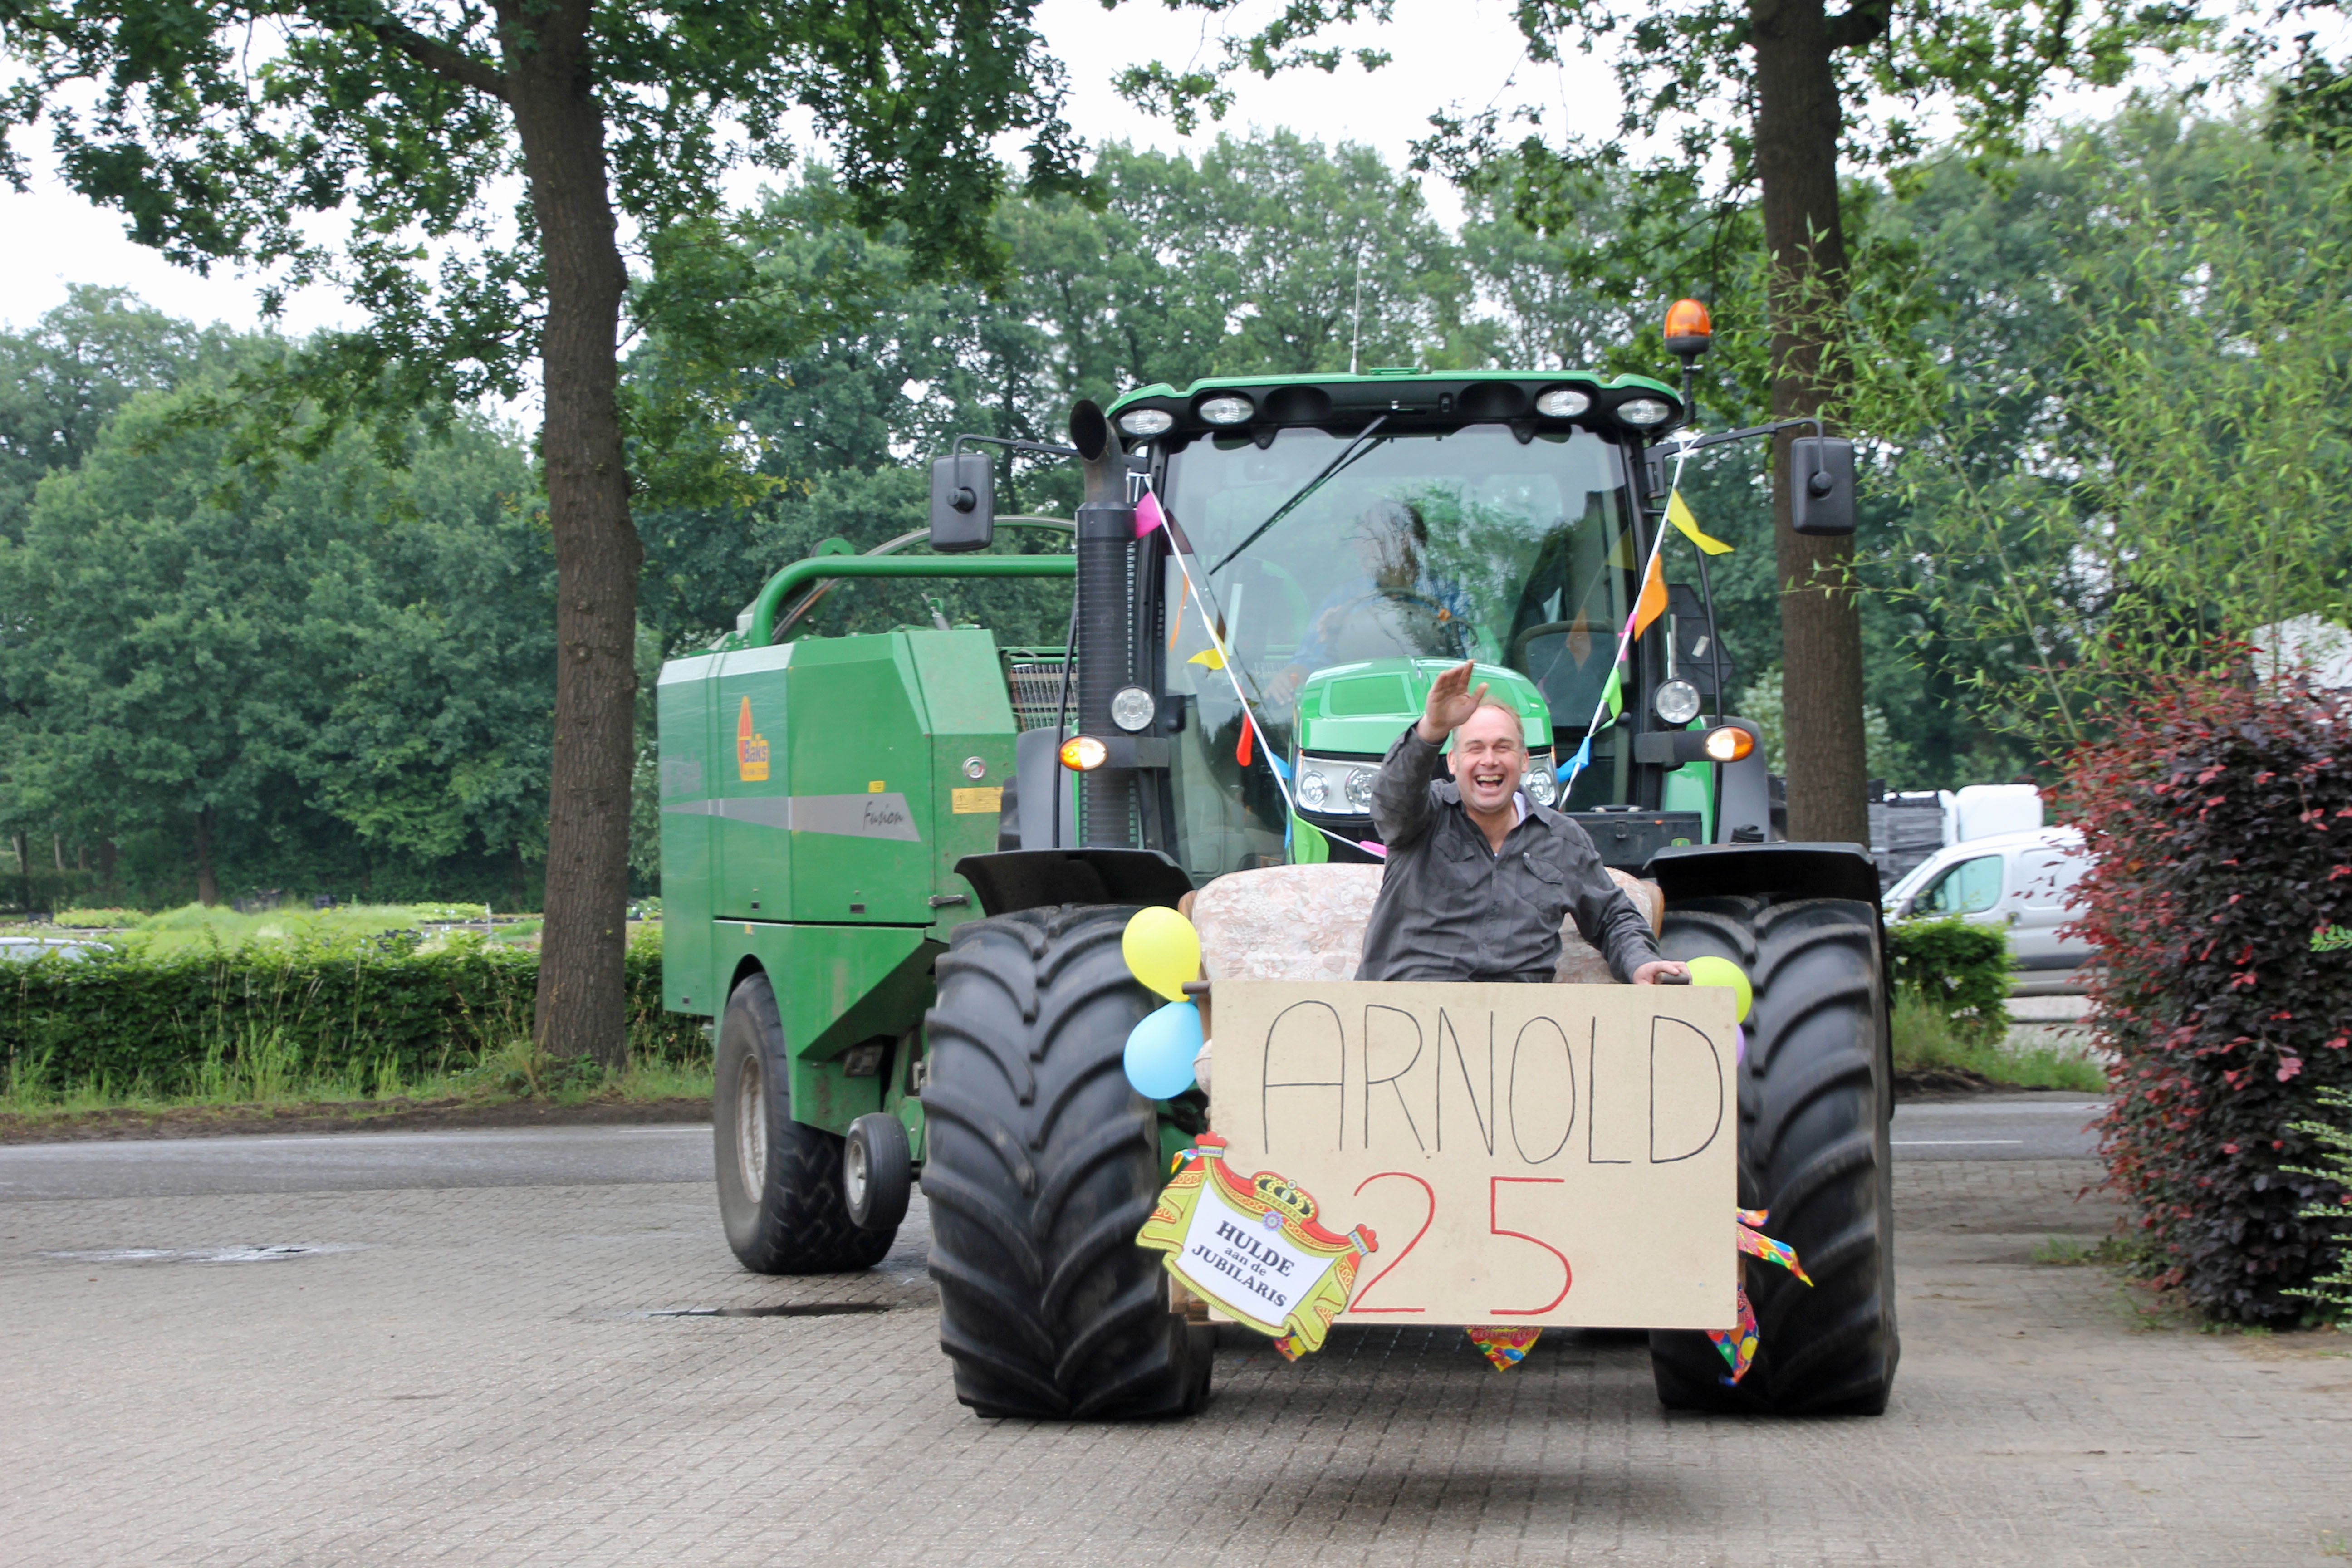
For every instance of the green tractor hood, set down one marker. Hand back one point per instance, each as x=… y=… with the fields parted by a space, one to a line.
x=1358 y=710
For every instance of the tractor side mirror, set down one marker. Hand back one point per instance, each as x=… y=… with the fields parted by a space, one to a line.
x=964 y=503
x=1821 y=476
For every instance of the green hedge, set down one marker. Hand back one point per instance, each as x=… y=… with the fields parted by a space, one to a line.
x=1957 y=967
x=121 y=1017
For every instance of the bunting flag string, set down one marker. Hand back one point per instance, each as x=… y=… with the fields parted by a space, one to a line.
x=1678 y=513
x=1648 y=605
x=1150 y=515
x=1653 y=601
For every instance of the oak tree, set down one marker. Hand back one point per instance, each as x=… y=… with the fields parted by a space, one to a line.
x=250 y=130
x=1759 y=101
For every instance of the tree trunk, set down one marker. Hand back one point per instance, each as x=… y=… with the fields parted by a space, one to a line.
x=582 y=1002
x=207 y=882
x=107 y=851
x=1798 y=121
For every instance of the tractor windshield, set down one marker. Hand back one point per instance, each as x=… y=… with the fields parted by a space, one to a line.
x=1320 y=550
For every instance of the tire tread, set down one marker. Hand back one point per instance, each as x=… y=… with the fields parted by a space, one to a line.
x=1042 y=1164
x=1814 y=1151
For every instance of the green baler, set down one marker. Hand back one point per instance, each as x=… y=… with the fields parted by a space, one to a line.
x=888 y=880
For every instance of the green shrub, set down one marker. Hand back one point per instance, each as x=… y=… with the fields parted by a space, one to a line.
x=2332 y=1291
x=204 y=1020
x=1958 y=968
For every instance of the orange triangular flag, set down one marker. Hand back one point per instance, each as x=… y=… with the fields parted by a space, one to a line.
x=1653 y=602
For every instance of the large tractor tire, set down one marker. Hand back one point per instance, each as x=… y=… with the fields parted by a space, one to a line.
x=1041 y=1163
x=1815 y=1092
x=779 y=1181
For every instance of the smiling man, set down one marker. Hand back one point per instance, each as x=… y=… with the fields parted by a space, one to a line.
x=1479 y=877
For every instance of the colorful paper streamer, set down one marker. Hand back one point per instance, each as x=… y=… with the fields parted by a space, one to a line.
x=1738 y=1345
x=1504 y=1348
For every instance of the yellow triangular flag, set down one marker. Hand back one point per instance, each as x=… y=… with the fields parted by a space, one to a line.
x=1208 y=657
x=1620 y=554
x=1680 y=516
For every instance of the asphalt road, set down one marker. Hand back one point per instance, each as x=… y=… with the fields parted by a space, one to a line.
x=2005 y=1127
x=1998 y=1127
x=356 y=1161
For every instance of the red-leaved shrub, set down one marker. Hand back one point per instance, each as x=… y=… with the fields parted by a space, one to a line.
x=2220 y=819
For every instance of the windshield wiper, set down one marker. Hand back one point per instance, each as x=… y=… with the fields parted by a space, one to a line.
x=1308 y=488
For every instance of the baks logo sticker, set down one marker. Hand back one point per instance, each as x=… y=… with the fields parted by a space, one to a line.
x=751 y=748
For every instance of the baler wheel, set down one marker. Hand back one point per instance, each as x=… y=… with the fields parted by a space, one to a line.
x=1041 y=1164
x=779 y=1181
x=1815 y=1092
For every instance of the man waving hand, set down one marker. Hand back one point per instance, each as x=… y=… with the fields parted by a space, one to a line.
x=1479 y=877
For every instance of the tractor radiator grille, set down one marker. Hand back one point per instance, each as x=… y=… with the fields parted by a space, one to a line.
x=1036 y=685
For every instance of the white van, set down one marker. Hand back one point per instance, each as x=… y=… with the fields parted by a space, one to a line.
x=2020 y=881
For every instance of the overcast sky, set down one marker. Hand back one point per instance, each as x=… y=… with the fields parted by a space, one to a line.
x=1465 y=54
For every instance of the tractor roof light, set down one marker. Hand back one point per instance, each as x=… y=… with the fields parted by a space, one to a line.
x=1146 y=422
x=1688 y=329
x=1644 y=412
x=1226 y=409
x=1084 y=753
x=1728 y=743
x=1563 y=402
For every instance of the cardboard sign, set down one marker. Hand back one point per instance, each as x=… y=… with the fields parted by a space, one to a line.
x=1528 y=1155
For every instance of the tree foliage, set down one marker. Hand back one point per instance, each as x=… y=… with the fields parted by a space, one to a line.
x=242 y=129
x=2129 y=450
x=346 y=658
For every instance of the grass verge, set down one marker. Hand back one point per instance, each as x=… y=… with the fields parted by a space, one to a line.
x=1927 y=1043
x=258 y=1074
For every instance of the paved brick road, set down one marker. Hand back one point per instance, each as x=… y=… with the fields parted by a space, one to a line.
x=475 y=1382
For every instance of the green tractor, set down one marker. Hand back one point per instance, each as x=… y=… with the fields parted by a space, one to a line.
x=898 y=865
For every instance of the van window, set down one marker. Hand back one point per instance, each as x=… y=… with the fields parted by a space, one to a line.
x=1969 y=888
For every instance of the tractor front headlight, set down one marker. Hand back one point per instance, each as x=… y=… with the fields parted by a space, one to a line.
x=1359 y=789
x=1132 y=709
x=1313 y=789
x=1541 y=786
x=1676 y=702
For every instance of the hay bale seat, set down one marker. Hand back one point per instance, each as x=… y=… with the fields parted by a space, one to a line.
x=1306 y=923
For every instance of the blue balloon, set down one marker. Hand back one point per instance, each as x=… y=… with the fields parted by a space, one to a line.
x=1159 y=1051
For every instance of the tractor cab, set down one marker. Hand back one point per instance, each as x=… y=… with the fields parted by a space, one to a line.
x=1414 y=522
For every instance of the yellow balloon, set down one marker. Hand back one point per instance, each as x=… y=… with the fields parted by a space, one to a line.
x=1162 y=950
x=1713 y=971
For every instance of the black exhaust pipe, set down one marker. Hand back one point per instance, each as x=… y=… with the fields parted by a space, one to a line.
x=1105 y=645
